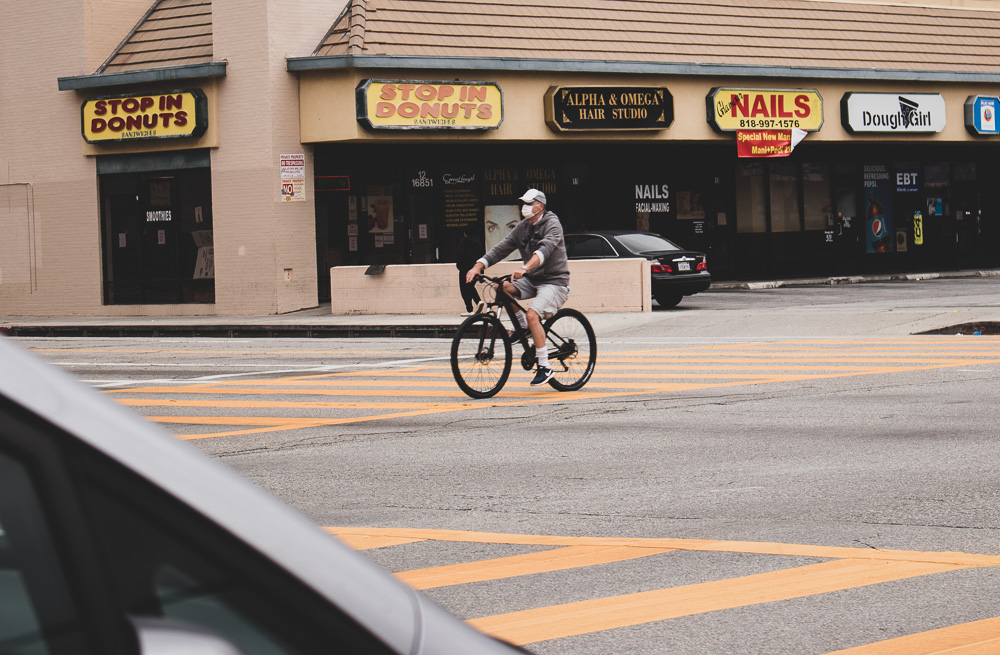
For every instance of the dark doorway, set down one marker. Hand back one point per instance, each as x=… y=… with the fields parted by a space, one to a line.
x=157 y=237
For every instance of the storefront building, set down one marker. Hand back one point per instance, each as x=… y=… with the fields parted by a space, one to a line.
x=221 y=161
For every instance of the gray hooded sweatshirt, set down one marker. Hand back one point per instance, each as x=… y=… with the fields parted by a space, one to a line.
x=545 y=238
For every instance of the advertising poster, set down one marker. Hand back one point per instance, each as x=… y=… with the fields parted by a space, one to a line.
x=878 y=187
x=461 y=199
x=205 y=262
x=501 y=221
x=379 y=210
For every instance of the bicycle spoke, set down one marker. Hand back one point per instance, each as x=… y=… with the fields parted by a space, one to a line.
x=572 y=349
x=481 y=356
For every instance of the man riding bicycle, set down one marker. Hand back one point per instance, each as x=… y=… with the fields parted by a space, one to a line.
x=544 y=275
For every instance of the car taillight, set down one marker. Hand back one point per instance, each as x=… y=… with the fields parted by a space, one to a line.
x=660 y=268
x=703 y=265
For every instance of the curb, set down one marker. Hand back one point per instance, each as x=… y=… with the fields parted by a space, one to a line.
x=234 y=331
x=851 y=279
x=320 y=331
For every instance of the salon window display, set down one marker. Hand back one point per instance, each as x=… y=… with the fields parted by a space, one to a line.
x=379 y=210
x=500 y=220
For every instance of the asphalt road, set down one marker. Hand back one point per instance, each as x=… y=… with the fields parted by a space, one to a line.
x=785 y=471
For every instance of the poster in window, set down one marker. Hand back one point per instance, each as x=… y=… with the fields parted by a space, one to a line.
x=690 y=206
x=878 y=210
x=501 y=221
x=159 y=193
x=379 y=210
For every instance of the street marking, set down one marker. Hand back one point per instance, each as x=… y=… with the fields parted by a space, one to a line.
x=975 y=638
x=558 y=559
x=584 y=617
x=847 y=568
x=420 y=386
x=366 y=542
x=702 y=545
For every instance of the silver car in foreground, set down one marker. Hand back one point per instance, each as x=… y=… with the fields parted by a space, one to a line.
x=116 y=538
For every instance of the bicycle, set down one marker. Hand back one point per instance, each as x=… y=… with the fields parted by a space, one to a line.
x=481 y=371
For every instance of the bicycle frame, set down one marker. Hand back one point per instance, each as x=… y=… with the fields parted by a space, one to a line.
x=481 y=371
x=505 y=301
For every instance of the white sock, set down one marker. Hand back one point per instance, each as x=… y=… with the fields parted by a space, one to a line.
x=522 y=319
x=543 y=356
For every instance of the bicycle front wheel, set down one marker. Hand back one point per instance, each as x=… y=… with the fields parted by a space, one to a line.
x=572 y=349
x=481 y=356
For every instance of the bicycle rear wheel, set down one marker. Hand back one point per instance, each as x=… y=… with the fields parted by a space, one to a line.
x=481 y=356
x=572 y=349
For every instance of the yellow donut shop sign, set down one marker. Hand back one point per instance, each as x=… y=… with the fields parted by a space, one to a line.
x=173 y=115
x=419 y=105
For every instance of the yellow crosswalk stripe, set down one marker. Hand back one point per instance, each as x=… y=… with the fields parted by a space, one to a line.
x=399 y=392
x=699 y=545
x=846 y=568
x=584 y=617
x=558 y=559
x=975 y=638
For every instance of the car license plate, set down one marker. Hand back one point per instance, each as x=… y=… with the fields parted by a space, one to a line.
x=683 y=266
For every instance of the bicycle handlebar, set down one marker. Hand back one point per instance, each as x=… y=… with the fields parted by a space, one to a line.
x=481 y=277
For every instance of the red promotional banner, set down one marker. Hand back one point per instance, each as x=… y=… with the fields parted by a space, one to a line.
x=768 y=143
x=764 y=143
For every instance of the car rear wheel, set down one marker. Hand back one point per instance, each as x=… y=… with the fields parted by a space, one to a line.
x=668 y=300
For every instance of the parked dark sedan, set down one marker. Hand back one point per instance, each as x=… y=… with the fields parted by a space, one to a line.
x=676 y=272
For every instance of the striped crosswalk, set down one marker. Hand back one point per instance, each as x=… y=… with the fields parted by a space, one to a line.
x=230 y=407
x=840 y=569
x=398 y=391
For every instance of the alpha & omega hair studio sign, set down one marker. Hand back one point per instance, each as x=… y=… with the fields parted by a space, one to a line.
x=421 y=105
x=585 y=108
x=172 y=115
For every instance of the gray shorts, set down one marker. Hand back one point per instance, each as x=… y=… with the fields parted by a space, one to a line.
x=548 y=297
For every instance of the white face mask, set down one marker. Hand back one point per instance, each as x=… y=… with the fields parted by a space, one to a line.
x=527 y=211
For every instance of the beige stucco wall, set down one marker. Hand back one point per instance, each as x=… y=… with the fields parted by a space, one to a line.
x=265 y=256
x=328 y=106
x=50 y=251
x=49 y=236
x=598 y=285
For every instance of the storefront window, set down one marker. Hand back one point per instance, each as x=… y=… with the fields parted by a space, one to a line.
x=785 y=214
x=816 y=197
x=751 y=208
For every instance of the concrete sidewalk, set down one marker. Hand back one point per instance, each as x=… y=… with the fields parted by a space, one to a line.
x=319 y=322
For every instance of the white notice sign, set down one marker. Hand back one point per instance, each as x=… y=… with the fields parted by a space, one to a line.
x=293 y=177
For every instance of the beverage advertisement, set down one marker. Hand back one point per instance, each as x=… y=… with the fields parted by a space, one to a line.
x=878 y=187
x=380 y=210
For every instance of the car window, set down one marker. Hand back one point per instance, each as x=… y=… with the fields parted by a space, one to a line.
x=20 y=630
x=584 y=246
x=167 y=561
x=37 y=616
x=643 y=243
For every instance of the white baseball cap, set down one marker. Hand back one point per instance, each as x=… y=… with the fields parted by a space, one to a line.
x=532 y=195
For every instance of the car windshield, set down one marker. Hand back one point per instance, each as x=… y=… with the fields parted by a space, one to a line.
x=643 y=243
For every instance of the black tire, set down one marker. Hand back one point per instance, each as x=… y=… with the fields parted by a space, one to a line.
x=479 y=368
x=668 y=300
x=572 y=349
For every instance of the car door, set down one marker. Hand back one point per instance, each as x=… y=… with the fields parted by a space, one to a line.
x=115 y=539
